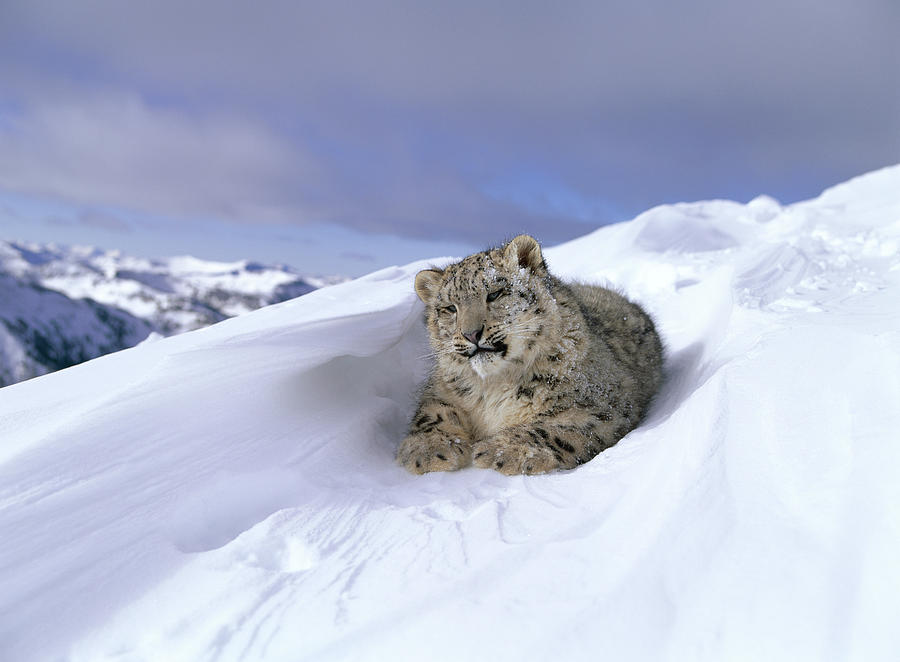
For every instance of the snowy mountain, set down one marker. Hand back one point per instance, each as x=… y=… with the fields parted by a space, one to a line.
x=64 y=305
x=231 y=493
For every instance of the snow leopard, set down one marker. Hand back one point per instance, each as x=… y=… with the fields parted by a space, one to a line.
x=530 y=374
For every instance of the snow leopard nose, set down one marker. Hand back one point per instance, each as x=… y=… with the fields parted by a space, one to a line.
x=474 y=336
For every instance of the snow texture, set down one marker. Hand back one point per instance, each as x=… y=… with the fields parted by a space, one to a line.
x=231 y=494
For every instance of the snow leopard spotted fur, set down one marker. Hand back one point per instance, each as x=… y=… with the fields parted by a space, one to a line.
x=531 y=374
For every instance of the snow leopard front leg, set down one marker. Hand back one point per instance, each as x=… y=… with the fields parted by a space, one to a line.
x=437 y=440
x=561 y=441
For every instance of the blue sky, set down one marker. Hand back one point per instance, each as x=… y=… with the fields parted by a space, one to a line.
x=340 y=137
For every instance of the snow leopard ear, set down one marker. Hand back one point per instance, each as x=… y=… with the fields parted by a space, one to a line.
x=525 y=251
x=427 y=284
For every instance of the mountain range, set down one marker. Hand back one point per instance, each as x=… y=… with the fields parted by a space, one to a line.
x=61 y=305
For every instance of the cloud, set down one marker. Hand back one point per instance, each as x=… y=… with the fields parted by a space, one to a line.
x=485 y=56
x=469 y=119
x=119 y=151
x=116 y=150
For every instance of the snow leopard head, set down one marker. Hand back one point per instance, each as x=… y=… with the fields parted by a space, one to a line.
x=490 y=311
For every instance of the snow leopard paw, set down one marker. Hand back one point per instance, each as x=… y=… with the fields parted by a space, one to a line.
x=511 y=455
x=421 y=453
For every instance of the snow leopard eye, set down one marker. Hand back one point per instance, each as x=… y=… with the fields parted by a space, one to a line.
x=496 y=294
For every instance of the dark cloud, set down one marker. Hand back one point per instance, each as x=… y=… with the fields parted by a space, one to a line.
x=444 y=119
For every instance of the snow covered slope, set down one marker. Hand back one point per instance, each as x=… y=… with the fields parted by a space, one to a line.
x=230 y=493
x=114 y=301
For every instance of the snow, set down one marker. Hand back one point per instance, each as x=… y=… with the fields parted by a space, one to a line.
x=230 y=493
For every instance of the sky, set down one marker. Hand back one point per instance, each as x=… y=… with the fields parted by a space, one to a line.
x=341 y=137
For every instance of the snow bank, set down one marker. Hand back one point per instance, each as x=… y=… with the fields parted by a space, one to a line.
x=230 y=494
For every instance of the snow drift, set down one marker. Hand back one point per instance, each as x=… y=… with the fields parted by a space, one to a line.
x=230 y=493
